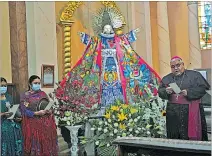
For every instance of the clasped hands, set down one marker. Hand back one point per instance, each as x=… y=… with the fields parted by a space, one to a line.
x=169 y=90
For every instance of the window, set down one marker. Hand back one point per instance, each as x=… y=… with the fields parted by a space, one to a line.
x=205 y=26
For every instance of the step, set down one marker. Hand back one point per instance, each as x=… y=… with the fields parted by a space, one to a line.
x=62 y=144
x=66 y=151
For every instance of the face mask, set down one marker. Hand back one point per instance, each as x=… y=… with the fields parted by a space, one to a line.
x=36 y=87
x=3 y=90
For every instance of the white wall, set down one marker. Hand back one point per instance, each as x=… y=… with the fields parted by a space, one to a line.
x=41 y=37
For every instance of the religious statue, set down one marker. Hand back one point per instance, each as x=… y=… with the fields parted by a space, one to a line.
x=109 y=69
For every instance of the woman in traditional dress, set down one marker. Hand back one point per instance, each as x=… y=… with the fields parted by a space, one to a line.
x=11 y=136
x=38 y=126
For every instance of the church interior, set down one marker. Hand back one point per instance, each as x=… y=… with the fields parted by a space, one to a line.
x=42 y=34
x=36 y=33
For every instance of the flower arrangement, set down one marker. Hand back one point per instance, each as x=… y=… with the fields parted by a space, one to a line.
x=69 y=114
x=127 y=120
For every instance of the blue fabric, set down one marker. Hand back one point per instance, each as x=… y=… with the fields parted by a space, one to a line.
x=24 y=110
x=131 y=36
x=85 y=38
x=27 y=112
x=11 y=135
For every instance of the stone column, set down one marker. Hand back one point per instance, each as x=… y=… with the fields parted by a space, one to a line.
x=163 y=38
x=148 y=33
x=179 y=30
x=194 y=40
x=154 y=36
x=67 y=47
x=18 y=44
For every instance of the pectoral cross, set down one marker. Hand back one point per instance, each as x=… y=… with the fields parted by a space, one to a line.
x=177 y=97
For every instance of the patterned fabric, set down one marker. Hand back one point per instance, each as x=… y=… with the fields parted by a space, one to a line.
x=11 y=135
x=40 y=134
x=109 y=70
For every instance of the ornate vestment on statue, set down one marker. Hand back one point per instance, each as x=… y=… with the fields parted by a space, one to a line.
x=109 y=69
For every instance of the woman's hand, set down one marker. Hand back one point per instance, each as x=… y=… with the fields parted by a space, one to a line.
x=49 y=111
x=41 y=113
x=2 y=114
x=18 y=119
x=8 y=114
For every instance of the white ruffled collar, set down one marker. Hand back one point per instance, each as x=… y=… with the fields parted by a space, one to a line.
x=107 y=35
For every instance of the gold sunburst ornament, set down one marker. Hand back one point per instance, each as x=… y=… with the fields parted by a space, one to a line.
x=108 y=16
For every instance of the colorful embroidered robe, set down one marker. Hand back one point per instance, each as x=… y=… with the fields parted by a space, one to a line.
x=109 y=70
x=39 y=132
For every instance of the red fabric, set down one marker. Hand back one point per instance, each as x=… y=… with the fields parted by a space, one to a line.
x=141 y=61
x=99 y=62
x=40 y=136
x=94 y=48
x=121 y=68
x=62 y=83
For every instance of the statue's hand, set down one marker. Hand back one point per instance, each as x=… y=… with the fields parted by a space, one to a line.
x=79 y=33
x=137 y=30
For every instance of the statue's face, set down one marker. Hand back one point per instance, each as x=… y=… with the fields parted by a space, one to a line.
x=110 y=77
x=108 y=29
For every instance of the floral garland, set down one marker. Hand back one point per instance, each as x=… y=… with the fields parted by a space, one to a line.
x=126 y=120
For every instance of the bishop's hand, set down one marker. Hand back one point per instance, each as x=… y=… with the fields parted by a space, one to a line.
x=169 y=90
x=184 y=92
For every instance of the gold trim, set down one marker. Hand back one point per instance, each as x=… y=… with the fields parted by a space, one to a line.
x=112 y=4
x=67 y=46
x=69 y=11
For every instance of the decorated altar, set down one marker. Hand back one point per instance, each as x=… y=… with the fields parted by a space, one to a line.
x=111 y=89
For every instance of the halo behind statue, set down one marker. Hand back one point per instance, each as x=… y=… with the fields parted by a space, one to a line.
x=107 y=16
